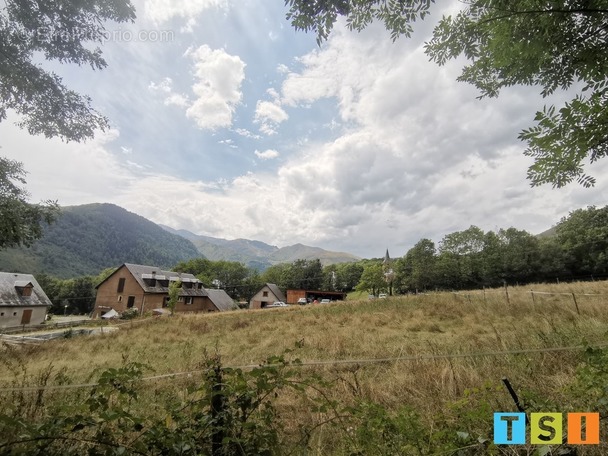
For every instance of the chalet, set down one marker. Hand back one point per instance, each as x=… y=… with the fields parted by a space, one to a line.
x=267 y=295
x=146 y=288
x=22 y=300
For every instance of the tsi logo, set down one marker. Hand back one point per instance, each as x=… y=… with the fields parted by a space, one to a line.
x=546 y=428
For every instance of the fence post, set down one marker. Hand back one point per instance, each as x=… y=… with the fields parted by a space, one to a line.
x=533 y=300
x=576 y=304
x=507 y=294
x=513 y=394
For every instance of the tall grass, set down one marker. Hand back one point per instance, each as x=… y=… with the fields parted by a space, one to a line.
x=416 y=327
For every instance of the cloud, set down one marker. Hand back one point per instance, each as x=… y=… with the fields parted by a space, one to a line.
x=160 y=11
x=267 y=154
x=246 y=133
x=219 y=77
x=269 y=115
x=402 y=150
x=165 y=87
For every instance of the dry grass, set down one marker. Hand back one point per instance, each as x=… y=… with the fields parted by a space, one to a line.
x=431 y=324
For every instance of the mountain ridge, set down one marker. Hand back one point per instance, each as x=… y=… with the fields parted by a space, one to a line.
x=88 y=238
x=258 y=254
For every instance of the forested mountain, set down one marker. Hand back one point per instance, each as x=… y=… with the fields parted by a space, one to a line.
x=257 y=254
x=86 y=239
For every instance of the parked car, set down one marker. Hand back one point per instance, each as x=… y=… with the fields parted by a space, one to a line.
x=325 y=301
x=302 y=301
x=382 y=296
x=276 y=304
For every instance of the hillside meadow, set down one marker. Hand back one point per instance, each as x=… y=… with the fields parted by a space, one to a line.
x=431 y=360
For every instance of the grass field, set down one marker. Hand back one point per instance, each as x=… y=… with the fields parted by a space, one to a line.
x=407 y=336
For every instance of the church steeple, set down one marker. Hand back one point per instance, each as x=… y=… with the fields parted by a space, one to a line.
x=387 y=258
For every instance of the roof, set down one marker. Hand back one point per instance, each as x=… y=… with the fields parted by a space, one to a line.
x=141 y=272
x=9 y=296
x=220 y=299
x=276 y=291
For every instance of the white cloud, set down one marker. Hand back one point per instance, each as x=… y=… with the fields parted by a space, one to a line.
x=246 y=133
x=415 y=154
x=218 y=78
x=267 y=154
x=160 y=11
x=165 y=87
x=177 y=99
x=269 y=115
x=218 y=88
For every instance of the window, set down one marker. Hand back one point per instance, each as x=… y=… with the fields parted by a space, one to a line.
x=121 y=285
x=180 y=299
x=27 y=291
x=189 y=300
x=166 y=301
x=1 y=314
x=131 y=302
x=265 y=294
x=14 y=314
x=120 y=298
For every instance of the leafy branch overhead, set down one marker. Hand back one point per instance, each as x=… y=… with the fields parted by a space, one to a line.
x=62 y=32
x=20 y=221
x=553 y=45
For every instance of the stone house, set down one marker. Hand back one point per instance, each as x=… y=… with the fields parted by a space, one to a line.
x=22 y=300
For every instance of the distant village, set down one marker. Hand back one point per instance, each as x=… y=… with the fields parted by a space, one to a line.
x=137 y=289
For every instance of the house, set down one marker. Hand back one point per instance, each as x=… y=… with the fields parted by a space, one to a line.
x=146 y=288
x=22 y=300
x=267 y=295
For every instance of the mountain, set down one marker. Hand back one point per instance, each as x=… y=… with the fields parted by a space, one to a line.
x=89 y=238
x=257 y=254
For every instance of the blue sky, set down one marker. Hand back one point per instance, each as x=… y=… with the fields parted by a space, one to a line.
x=236 y=126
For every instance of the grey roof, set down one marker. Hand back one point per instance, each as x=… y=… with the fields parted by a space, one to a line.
x=141 y=272
x=276 y=291
x=221 y=299
x=10 y=297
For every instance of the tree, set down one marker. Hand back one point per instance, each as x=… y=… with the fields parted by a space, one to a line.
x=341 y=276
x=232 y=276
x=372 y=278
x=460 y=259
x=319 y=16
x=583 y=236
x=553 y=45
x=416 y=271
x=20 y=221
x=174 y=289
x=521 y=255
x=61 y=31
x=301 y=275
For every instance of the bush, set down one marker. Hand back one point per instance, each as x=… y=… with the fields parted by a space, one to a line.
x=129 y=314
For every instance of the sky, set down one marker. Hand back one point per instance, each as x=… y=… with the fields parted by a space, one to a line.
x=227 y=122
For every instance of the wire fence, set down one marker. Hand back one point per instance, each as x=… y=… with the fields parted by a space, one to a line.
x=334 y=362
